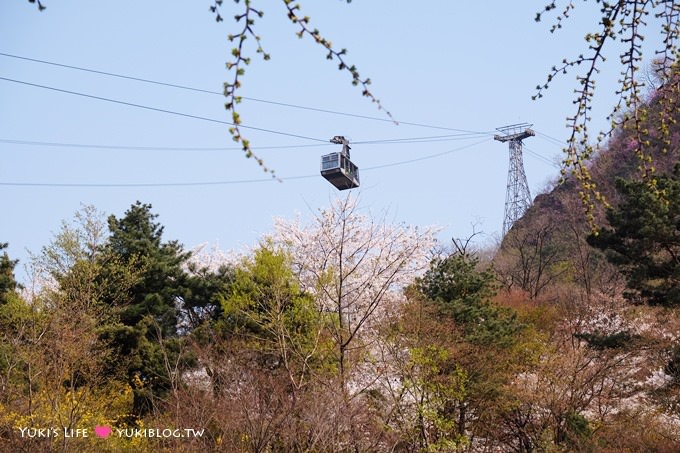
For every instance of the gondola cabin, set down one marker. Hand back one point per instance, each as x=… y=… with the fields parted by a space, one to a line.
x=338 y=169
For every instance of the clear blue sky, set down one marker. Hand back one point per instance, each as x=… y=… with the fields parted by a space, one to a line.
x=462 y=65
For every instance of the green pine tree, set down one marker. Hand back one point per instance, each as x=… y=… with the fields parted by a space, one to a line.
x=644 y=238
x=147 y=335
x=464 y=293
x=7 y=282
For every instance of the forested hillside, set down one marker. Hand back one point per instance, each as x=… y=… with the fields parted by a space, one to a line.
x=349 y=333
x=612 y=287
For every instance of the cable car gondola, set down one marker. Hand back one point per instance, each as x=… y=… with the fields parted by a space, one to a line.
x=338 y=169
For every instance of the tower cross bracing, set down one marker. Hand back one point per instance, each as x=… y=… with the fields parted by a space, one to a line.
x=517 y=196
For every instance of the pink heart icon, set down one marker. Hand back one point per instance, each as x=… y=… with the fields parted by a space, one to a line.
x=102 y=431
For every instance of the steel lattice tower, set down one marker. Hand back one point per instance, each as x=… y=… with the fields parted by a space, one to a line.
x=517 y=196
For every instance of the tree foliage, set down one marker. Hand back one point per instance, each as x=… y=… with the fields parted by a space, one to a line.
x=627 y=22
x=464 y=293
x=149 y=319
x=7 y=282
x=530 y=257
x=461 y=351
x=353 y=264
x=644 y=238
x=435 y=358
x=136 y=237
x=269 y=311
x=58 y=369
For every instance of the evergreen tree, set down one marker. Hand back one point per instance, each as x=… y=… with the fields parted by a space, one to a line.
x=644 y=238
x=137 y=237
x=7 y=282
x=205 y=288
x=480 y=340
x=148 y=330
x=464 y=293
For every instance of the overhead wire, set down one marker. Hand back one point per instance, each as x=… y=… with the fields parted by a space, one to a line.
x=399 y=141
x=433 y=138
x=431 y=156
x=439 y=138
x=284 y=104
x=229 y=182
x=149 y=148
x=449 y=137
x=463 y=135
x=539 y=156
x=201 y=90
x=552 y=140
x=156 y=109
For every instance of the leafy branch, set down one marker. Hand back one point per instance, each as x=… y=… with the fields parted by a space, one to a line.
x=303 y=23
x=667 y=68
x=623 y=21
x=41 y=7
x=240 y=59
x=237 y=65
